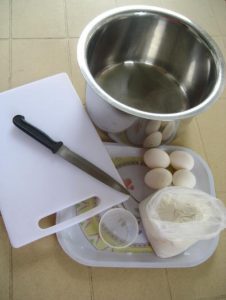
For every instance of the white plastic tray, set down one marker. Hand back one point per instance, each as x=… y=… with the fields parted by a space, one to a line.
x=83 y=244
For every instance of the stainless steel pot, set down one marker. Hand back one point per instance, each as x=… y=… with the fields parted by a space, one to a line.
x=147 y=69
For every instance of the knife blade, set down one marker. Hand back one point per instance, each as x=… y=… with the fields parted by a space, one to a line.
x=67 y=154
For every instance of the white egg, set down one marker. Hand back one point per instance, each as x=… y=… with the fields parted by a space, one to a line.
x=153 y=140
x=158 y=178
x=184 y=178
x=181 y=160
x=164 y=123
x=156 y=158
x=152 y=126
x=168 y=131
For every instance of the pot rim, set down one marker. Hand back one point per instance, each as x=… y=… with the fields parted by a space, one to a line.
x=110 y=15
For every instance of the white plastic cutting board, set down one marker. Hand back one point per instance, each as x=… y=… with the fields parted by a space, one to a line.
x=35 y=183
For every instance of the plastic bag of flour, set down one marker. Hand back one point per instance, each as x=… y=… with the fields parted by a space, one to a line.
x=175 y=218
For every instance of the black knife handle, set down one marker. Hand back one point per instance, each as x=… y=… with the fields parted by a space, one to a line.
x=36 y=133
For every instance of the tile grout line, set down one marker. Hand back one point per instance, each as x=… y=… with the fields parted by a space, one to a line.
x=202 y=141
x=66 y=19
x=215 y=17
x=91 y=283
x=69 y=57
x=75 y=36
x=218 y=297
x=205 y=153
x=10 y=85
x=11 y=273
x=43 y=38
x=10 y=43
x=67 y=37
x=219 y=191
x=204 y=148
x=168 y=283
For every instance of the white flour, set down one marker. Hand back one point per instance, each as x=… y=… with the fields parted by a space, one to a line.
x=176 y=218
x=182 y=209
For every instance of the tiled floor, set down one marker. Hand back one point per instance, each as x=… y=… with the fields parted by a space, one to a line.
x=38 y=38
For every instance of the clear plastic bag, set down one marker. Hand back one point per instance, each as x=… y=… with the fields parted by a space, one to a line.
x=174 y=218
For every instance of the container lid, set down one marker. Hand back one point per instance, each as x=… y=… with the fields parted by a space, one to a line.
x=34 y=183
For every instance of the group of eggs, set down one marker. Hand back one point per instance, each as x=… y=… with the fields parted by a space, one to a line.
x=158 y=132
x=167 y=169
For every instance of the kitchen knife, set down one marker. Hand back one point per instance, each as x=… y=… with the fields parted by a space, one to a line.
x=63 y=151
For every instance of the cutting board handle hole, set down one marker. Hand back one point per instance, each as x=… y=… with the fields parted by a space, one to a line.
x=80 y=208
x=48 y=221
x=86 y=205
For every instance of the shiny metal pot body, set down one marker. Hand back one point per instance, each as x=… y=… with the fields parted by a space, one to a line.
x=143 y=65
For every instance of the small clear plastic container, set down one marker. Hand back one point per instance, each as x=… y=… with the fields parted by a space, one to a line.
x=118 y=228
